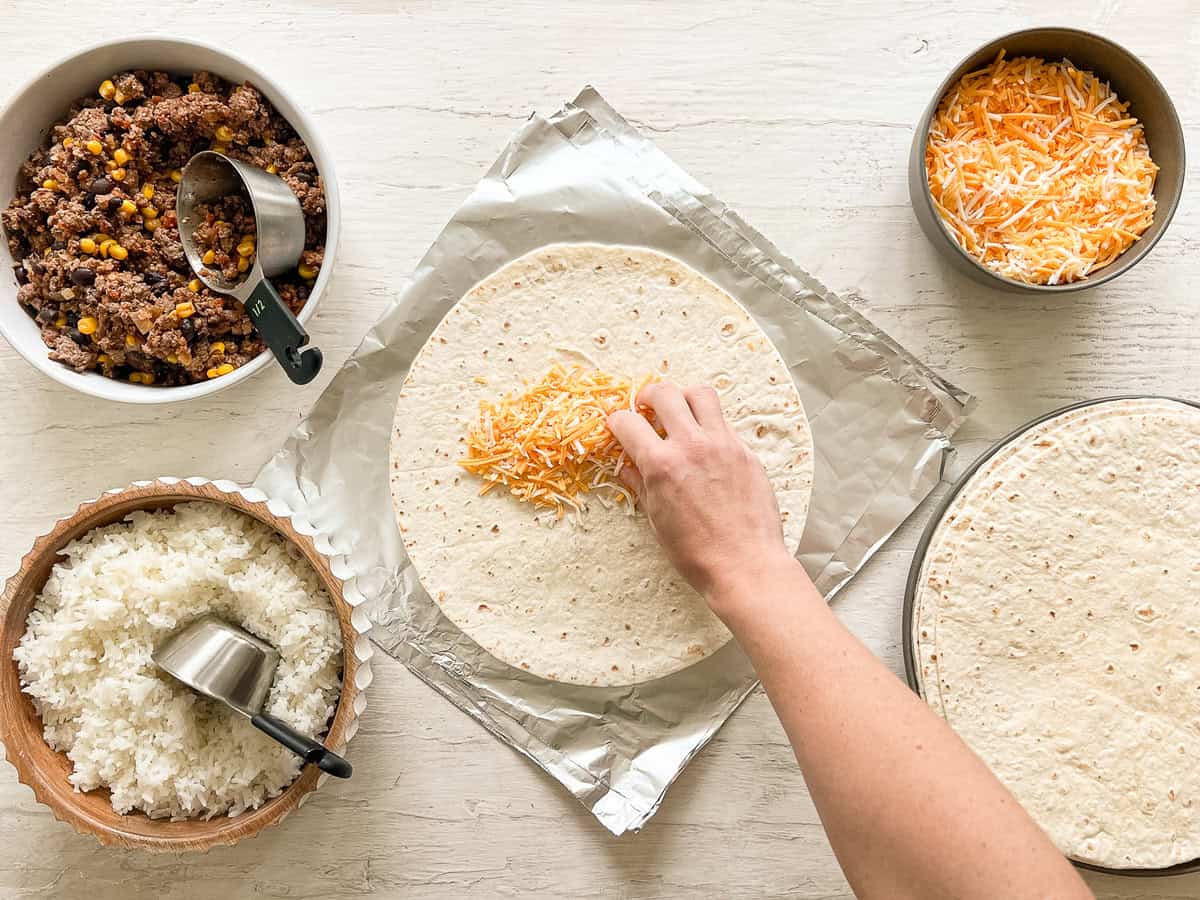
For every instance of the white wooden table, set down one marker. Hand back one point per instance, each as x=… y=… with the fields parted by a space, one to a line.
x=800 y=116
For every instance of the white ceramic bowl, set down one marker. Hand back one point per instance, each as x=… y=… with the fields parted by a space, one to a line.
x=44 y=100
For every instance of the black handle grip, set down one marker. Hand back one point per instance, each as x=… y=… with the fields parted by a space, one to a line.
x=283 y=333
x=305 y=747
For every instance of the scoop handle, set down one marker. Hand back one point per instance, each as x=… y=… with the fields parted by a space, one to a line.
x=304 y=747
x=283 y=333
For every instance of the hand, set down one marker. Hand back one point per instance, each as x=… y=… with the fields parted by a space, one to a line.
x=706 y=495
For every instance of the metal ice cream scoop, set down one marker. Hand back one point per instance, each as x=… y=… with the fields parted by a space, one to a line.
x=279 y=241
x=234 y=667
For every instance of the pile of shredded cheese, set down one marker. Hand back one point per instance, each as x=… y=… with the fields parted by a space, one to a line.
x=1038 y=171
x=550 y=443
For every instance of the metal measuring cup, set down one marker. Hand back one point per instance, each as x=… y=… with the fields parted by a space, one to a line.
x=279 y=241
x=232 y=666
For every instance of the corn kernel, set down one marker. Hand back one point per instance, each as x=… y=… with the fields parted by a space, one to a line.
x=272 y=169
x=245 y=248
x=68 y=142
x=217 y=347
x=194 y=285
x=130 y=341
x=120 y=97
x=119 y=174
x=223 y=133
x=172 y=358
x=176 y=175
x=148 y=191
x=121 y=155
x=60 y=321
x=109 y=165
x=243 y=263
x=116 y=251
x=88 y=246
x=185 y=309
x=50 y=184
x=137 y=377
x=105 y=246
x=87 y=325
x=220 y=148
x=208 y=257
x=224 y=369
x=102 y=237
x=108 y=90
x=306 y=272
x=151 y=225
x=128 y=207
x=94 y=147
x=211 y=373
x=193 y=88
x=104 y=359
x=149 y=212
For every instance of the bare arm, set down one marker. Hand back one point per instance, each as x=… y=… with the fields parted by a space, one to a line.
x=909 y=809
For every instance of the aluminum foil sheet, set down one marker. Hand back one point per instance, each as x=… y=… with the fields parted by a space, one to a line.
x=881 y=422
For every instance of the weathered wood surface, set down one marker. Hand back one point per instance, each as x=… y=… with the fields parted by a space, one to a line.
x=800 y=116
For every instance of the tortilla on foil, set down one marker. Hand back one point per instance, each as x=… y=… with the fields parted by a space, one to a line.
x=1057 y=629
x=591 y=599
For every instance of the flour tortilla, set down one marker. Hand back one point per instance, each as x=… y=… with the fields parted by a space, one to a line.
x=592 y=602
x=1058 y=631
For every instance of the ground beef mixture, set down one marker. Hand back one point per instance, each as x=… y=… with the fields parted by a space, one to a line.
x=101 y=268
x=225 y=234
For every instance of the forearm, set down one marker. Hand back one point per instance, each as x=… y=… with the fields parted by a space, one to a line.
x=909 y=809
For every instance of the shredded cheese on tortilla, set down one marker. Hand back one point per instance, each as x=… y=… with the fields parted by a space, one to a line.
x=1038 y=171
x=549 y=444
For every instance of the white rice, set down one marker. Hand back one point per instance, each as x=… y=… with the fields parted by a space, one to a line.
x=85 y=659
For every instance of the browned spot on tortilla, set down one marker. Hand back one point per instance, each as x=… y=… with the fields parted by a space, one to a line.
x=483 y=607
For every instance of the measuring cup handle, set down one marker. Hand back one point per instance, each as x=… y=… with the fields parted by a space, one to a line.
x=305 y=747
x=283 y=333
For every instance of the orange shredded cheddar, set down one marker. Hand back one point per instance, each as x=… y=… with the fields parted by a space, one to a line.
x=550 y=443
x=1037 y=170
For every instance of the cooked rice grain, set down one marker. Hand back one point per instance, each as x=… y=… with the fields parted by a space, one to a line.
x=85 y=659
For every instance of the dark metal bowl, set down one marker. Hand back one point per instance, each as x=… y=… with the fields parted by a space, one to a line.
x=914 y=576
x=1133 y=82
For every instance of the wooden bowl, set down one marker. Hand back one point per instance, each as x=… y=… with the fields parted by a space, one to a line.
x=46 y=771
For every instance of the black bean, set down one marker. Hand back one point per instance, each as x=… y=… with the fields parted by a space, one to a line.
x=22 y=275
x=188 y=329
x=153 y=278
x=72 y=319
x=83 y=276
x=39 y=267
x=303 y=176
x=114 y=203
x=78 y=337
x=30 y=311
x=46 y=315
x=59 y=245
x=101 y=186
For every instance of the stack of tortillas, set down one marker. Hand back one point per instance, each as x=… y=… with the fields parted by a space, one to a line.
x=590 y=599
x=1057 y=627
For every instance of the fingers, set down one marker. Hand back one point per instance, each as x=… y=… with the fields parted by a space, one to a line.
x=634 y=433
x=705 y=405
x=669 y=407
x=631 y=478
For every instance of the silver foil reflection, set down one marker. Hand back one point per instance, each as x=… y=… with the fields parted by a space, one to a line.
x=881 y=425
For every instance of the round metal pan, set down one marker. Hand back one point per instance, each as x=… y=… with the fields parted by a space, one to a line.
x=914 y=575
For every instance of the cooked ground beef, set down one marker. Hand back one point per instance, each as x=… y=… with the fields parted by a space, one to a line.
x=102 y=270
x=226 y=235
